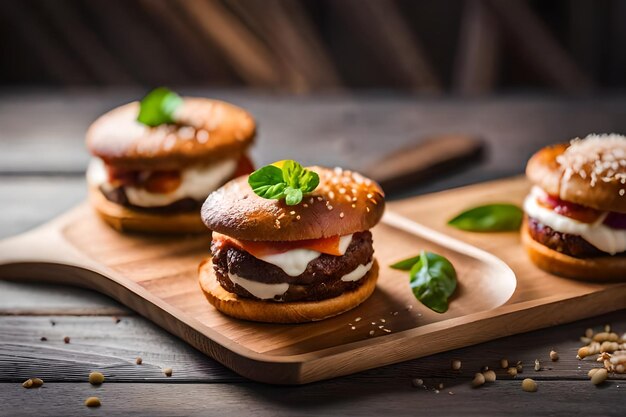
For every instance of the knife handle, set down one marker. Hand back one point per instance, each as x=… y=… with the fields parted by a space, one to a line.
x=434 y=155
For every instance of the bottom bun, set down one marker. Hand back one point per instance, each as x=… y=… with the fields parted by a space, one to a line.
x=277 y=312
x=605 y=268
x=125 y=219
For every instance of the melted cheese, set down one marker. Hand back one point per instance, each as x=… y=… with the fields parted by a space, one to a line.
x=295 y=261
x=358 y=272
x=608 y=240
x=259 y=289
x=197 y=182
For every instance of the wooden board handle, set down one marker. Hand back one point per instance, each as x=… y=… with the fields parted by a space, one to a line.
x=28 y=255
x=431 y=156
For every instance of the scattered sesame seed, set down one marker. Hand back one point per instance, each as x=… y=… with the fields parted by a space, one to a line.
x=381 y=326
x=382 y=320
x=367 y=209
x=353 y=327
x=369 y=195
x=371 y=333
x=298 y=217
x=373 y=323
x=395 y=313
x=319 y=198
x=354 y=206
x=341 y=214
x=292 y=212
x=358 y=319
x=281 y=216
x=386 y=330
x=305 y=205
x=417 y=382
x=330 y=207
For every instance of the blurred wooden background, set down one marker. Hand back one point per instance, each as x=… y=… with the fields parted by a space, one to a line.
x=432 y=46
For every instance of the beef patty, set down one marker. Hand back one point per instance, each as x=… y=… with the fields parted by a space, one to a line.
x=320 y=280
x=184 y=205
x=571 y=245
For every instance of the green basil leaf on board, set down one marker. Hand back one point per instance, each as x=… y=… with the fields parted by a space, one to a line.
x=286 y=180
x=489 y=218
x=405 y=264
x=432 y=278
x=433 y=281
x=158 y=107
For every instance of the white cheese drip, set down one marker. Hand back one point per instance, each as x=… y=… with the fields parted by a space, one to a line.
x=295 y=261
x=358 y=272
x=608 y=240
x=260 y=289
x=197 y=182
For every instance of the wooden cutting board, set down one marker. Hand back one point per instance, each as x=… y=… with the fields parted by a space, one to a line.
x=500 y=292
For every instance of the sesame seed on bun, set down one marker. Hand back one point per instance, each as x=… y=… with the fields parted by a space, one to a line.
x=590 y=171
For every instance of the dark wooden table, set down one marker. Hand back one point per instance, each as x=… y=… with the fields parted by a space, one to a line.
x=42 y=159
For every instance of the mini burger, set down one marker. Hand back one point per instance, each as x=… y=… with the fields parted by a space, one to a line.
x=291 y=244
x=155 y=161
x=575 y=222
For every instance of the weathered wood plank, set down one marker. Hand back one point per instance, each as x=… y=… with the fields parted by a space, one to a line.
x=101 y=343
x=29 y=201
x=23 y=298
x=328 y=129
x=337 y=397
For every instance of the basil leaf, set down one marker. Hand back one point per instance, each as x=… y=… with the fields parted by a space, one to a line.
x=158 y=107
x=293 y=196
x=287 y=179
x=309 y=181
x=267 y=182
x=291 y=173
x=433 y=281
x=489 y=218
x=406 y=264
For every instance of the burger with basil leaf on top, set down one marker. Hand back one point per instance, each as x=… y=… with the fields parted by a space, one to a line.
x=155 y=161
x=291 y=244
